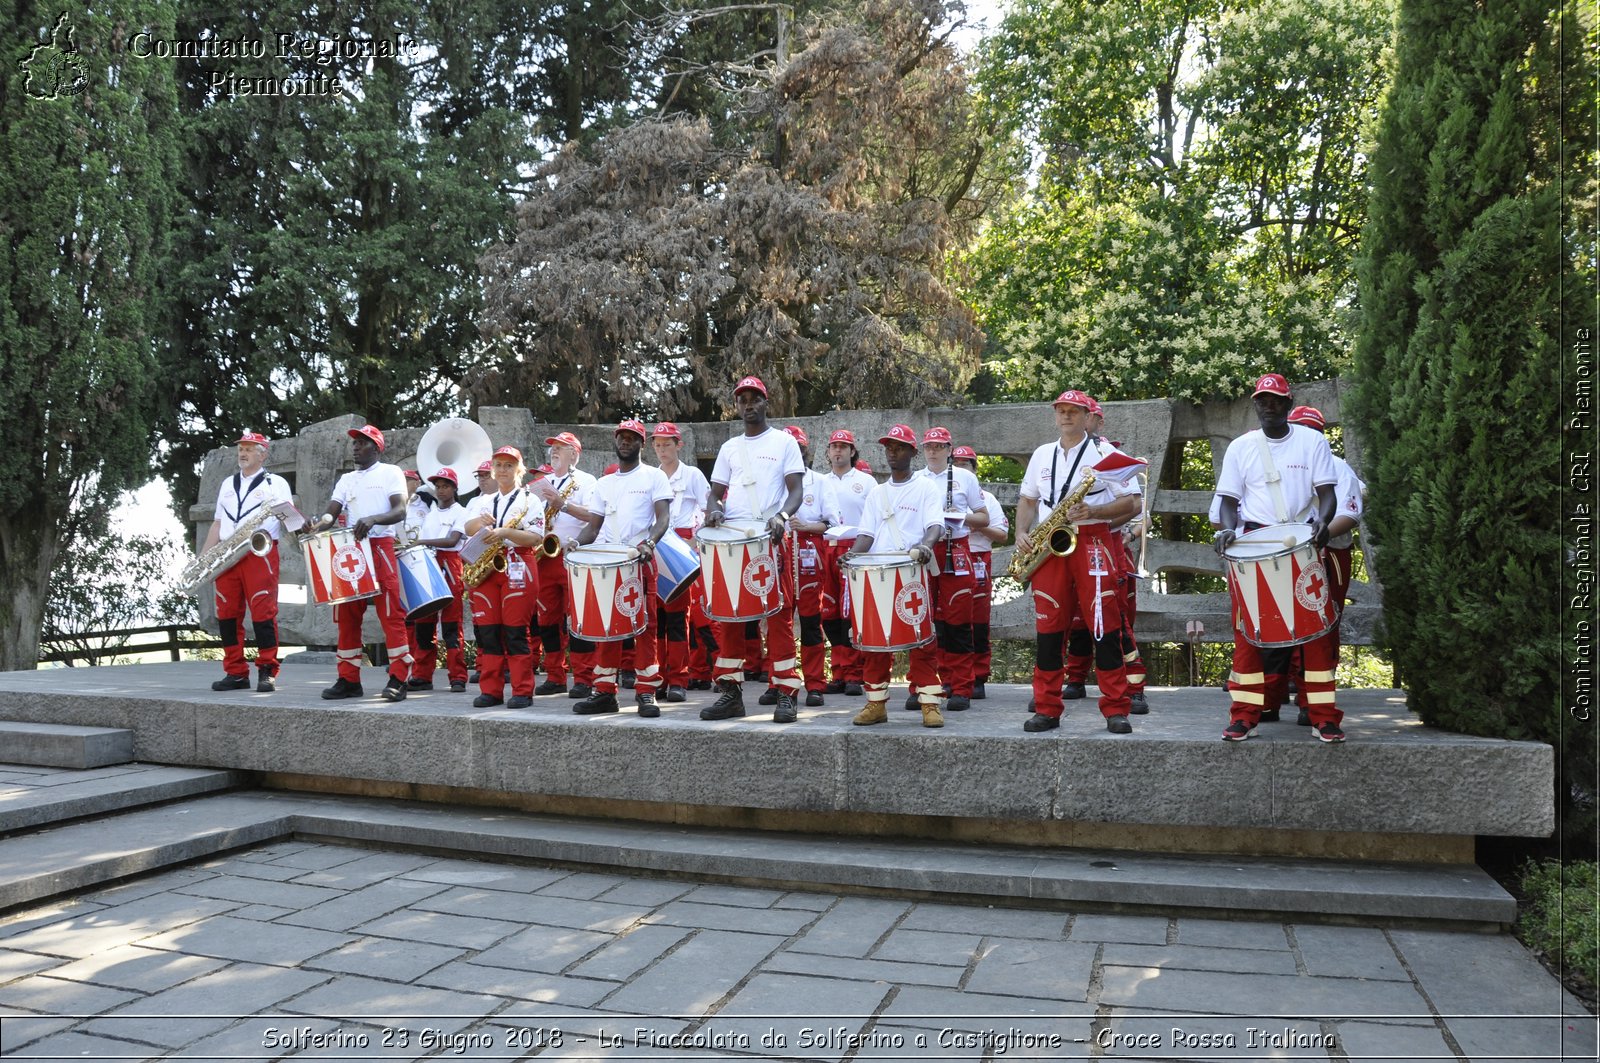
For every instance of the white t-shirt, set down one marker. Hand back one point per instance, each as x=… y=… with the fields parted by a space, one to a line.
x=851 y=491
x=441 y=521
x=1055 y=472
x=690 y=492
x=897 y=516
x=628 y=500
x=417 y=510
x=238 y=499
x=963 y=492
x=817 y=500
x=753 y=468
x=566 y=526
x=501 y=508
x=982 y=544
x=1303 y=462
x=366 y=493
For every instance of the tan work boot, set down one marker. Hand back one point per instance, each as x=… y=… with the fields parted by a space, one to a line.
x=875 y=712
x=931 y=716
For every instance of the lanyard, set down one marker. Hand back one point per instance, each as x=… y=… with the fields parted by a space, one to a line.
x=238 y=499
x=1083 y=448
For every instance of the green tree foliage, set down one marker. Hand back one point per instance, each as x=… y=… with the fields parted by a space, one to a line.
x=88 y=138
x=1197 y=191
x=1458 y=363
x=111 y=582
x=650 y=272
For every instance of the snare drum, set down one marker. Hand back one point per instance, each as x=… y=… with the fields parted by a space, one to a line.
x=740 y=572
x=890 y=607
x=339 y=567
x=1279 y=587
x=606 y=595
x=677 y=567
x=423 y=590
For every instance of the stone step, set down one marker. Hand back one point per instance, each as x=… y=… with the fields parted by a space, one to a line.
x=37 y=866
x=52 y=745
x=33 y=799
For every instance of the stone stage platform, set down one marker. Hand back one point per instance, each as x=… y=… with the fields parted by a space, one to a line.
x=1396 y=791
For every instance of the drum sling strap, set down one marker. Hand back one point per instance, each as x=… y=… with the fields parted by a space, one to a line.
x=1274 y=479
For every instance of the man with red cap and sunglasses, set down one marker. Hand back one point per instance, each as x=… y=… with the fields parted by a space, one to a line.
x=982 y=544
x=442 y=531
x=851 y=486
x=953 y=582
x=757 y=478
x=1085 y=579
x=690 y=492
x=372 y=499
x=562 y=490
x=251 y=583
x=1281 y=473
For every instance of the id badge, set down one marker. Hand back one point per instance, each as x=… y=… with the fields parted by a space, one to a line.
x=980 y=569
x=517 y=572
x=808 y=558
x=1097 y=562
x=962 y=562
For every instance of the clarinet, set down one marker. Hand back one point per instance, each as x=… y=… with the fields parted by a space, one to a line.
x=949 y=568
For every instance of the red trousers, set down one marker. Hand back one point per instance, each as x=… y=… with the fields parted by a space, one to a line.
x=553 y=635
x=448 y=618
x=924 y=674
x=672 y=629
x=1080 y=645
x=1336 y=562
x=391 y=614
x=779 y=631
x=501 y=610
x=846 y=661
x=812 y=564
x=982 y=612
x=952 y=593
x=642 y=658
x=1084 y=581
x=252 y=583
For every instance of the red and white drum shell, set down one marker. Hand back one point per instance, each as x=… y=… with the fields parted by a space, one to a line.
x=890 y=604
x=606 y=599
x=339 y=567
x=1279 y=587
x=739 y=572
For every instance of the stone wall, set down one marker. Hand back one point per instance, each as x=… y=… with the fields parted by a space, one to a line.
x=1156 y=429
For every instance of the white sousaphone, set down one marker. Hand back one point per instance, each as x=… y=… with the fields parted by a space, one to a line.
x=457 y=444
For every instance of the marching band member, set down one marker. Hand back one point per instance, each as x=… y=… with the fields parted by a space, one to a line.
x=485 y=486
x=372 y=499
x=561 y=489
x=504 y=602
x=953 y=582
x=818 y=511
x=850 y=489
x=630 y=507
x=418 y=503
x=982 y=545
x=905 y=514
x=1084 y=577
x=1278 y=474
x=757 y=478
x=443 y=529
x=252 y=582
x=690 y=491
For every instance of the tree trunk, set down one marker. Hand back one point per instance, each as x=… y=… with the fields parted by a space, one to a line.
x=29 y=541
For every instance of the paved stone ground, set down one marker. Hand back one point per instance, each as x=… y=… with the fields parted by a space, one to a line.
x=302 y=950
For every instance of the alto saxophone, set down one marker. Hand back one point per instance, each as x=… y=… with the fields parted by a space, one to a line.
x=550 y=545
x=492 y=560
x=1054 y=536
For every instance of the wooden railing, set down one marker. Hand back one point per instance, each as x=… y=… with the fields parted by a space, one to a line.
x=69 y=647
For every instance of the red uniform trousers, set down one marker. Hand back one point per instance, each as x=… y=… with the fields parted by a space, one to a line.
x=1080 y=645
x=924 y=674
x=642 y=657
x=812 y=564
x=449 y=619
x=702 y=639
x=1260 y=677
x=1080 y=581
x=553 y=635
x=391 y=614
x=982 y=611
x=251 y=583
x=732 y=647
x=672 y=627
x=1336 y=563
x=952 y=618
x=846 y=660
x=501 y=610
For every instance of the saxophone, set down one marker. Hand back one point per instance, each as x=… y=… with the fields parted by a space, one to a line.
x=1054 y=536
x=247 y=537
x=492 y=560
x=550 y=546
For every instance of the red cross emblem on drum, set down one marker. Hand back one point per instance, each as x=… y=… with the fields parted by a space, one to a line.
x=911 y=604
x=350 y=564
x=630 y=597
x=1311 y=589
x=759 y=576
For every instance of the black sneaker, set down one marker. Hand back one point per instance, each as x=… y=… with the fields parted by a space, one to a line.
x=342 y=688
x=486 y=701
x=419 y=684
x=813 y=698
x=768 y=697
x=1238 y=731
x=1269 y=715
x=835 y=687
x=266 y=685
x=756 y=677
x=648 y=707
x=628 y=680
x=1330 y=732
x=784 y=712
x=978 y=693
x=519 y=701
x=699 y=684
x=729 y=706
x=1304 y=719
x=1138 y=704
x=393 y=690
x=232 y=682
x=473 y=678
x=579 y=691
x=1119 y=725
x=457 y=687
x=852 y=689
x=913 y=702
x=1030 y=703
x=595 y=704
x=547 y=687
x=1040 y=722
x=1073 y=691
x=957 y=703
x=676 y=694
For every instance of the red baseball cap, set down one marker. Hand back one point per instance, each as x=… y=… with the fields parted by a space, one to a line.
x=899 y=434
x=964 y=453
x=1271 y=384
x=634 y=425
x=1309 y=416
x=1094 y=408
x=567 y=438
x=546 y=469
x=486 y=468
x=1074 y=398
x=257 y=438
x=412 y=474
x=863 y=464
x=937 y=435
x=843 y=435
x=666 y=430
x=508 y=452
x=798 y=433
x=750 y=383
x=609 y=469
x=371 y=431
x=445 y=474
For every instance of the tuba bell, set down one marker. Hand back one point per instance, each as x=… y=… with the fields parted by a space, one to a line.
x=456 y=444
